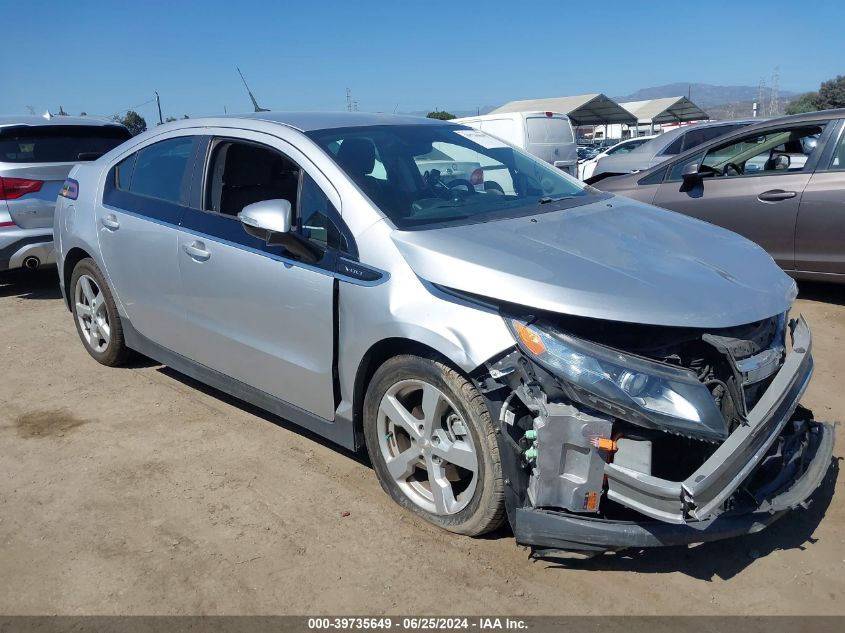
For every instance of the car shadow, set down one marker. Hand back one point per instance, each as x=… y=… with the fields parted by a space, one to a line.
x=30 y=284
x=720 y=559
x=822 y=292
x=360 y=457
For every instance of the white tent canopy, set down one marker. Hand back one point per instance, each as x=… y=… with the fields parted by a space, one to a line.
x=592 y=109
x=666 y=110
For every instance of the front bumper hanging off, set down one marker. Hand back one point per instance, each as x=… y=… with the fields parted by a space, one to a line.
x=693 y=510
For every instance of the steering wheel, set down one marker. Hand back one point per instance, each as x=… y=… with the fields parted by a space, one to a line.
x=460 y=182
x=732 y=169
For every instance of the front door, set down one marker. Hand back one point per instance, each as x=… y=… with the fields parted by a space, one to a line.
x=258 y=313
x=753 y=186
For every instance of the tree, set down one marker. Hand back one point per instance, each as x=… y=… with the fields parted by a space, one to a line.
x=832 y=94
x=83 y=114
x=134 y=122
x=441 y=114
x=807 y=102
x=170 y=118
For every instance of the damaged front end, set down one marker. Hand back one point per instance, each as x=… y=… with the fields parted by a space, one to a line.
x=618 y=435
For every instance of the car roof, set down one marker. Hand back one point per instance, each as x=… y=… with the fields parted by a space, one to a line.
x=311 y=121
x=663 y=140
x=40 y=121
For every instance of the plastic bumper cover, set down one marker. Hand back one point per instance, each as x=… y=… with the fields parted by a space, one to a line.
x=703 y=494
x=560 y=530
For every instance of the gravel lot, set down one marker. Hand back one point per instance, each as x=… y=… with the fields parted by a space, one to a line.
x=137 y=491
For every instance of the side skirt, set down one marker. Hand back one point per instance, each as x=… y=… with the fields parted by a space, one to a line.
x=341 y=434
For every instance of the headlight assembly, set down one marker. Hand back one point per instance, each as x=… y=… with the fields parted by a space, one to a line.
x=654 y=394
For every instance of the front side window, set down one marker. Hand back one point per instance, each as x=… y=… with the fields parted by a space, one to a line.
x=241 y=173
x=774 y=151
x=837 y=161
x=437 y=174
x=162 y=170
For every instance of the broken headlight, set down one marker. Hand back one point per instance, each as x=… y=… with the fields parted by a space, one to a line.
x=652 y=394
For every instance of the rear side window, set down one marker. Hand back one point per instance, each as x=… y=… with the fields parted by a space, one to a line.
x=160 y=170
x=504 y=129
x=548 y=130
x=59 y=143
x=695 y=137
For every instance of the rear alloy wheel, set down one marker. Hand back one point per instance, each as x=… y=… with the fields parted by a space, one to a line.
x=97 y=321
x=432 y=445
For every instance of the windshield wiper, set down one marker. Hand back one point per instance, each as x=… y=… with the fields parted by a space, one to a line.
x=548 y=199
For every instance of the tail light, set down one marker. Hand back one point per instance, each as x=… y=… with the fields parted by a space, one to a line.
x=13 y=188
x=477 y=177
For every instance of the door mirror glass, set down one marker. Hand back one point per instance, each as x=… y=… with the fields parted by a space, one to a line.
x=266 y=218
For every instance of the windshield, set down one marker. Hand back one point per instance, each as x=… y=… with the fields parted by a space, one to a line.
x=59 y=143
x=426 y=175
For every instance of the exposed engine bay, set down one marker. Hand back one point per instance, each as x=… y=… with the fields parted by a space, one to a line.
x=629 y=422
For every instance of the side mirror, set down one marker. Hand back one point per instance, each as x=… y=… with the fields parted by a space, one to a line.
x=691 y=172
x=270 y=220
x=266 y=218
x=692 y=176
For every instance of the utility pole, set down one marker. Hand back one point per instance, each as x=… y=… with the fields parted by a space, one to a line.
x=774 y=102
x=158 y=103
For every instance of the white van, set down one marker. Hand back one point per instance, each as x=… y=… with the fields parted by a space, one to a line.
x=546 y=135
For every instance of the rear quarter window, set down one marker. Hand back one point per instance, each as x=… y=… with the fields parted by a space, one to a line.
x=59 y=143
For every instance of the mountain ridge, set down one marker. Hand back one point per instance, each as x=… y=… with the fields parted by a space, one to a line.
x=704 y=95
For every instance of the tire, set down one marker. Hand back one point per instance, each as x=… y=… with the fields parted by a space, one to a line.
x=106 y=346
x=461 y=423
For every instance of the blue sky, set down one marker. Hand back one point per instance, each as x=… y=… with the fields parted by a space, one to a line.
x=105 y=57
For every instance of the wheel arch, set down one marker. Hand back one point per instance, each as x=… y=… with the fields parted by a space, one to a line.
x=379 y=353
x=73 y=257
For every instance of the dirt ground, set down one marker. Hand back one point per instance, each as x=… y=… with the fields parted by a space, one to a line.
x=136 y=491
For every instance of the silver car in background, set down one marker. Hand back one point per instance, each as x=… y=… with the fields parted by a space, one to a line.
x=599 y=372
x=663 y=147
x=36 y=154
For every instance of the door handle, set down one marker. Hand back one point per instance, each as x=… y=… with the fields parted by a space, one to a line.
x=110 y=222
x=776 y=195
x=196 y=250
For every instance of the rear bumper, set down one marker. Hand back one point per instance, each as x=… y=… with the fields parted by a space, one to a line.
x=548 y=529
x=18 y=244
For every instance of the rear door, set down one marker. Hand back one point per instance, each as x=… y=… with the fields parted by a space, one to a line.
x=145 y=196
x=35 y=160
x=820 y=232
x=759 y=203
x=550 y=138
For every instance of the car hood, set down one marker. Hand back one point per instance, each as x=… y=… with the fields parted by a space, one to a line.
x=614 y=259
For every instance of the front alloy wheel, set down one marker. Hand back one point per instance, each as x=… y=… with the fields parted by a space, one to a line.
x=432 y=444
x=427 y=447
